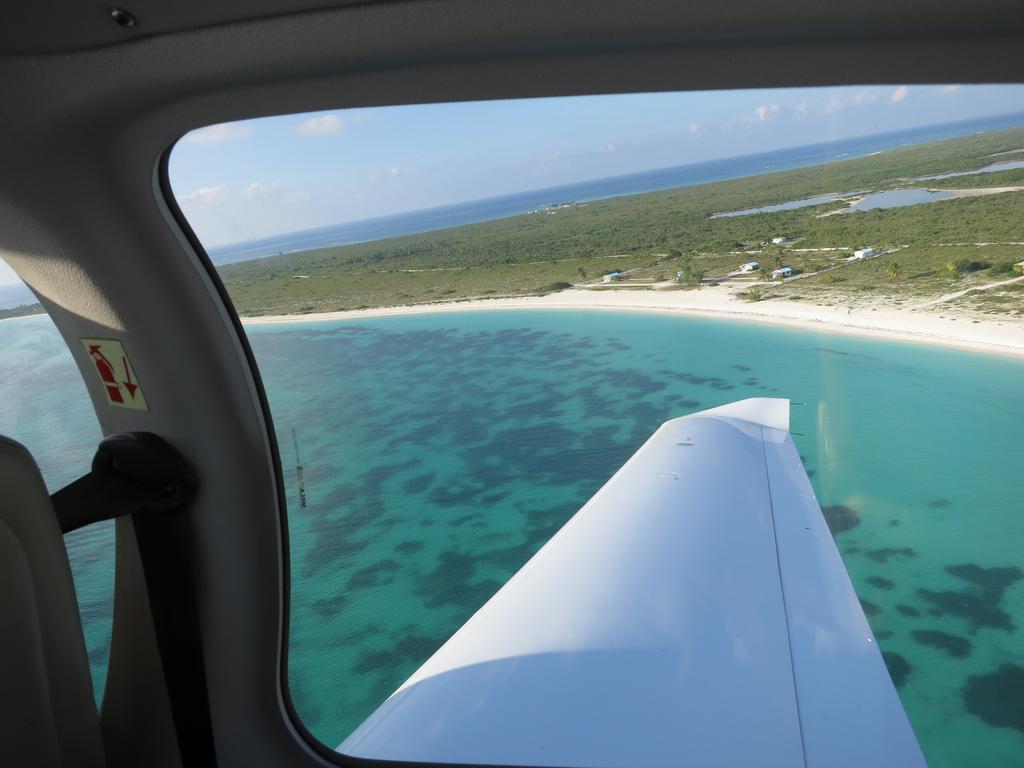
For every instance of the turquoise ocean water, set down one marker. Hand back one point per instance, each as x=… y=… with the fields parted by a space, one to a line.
x=441 y=451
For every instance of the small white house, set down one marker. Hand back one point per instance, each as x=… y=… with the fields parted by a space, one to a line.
x=865 y=253
x=779 y=240
x=750 y=266
x=782 y=272
x=611 y=277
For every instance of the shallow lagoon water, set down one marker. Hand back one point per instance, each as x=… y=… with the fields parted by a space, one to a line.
x=791 y=205
x=897 y=198
x=890 y=198
x=1006 y=165
x=441 y=451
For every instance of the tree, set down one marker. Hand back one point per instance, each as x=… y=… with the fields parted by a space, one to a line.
x=690 y=273
x=754 y=293
x=893 y=270
x=581 y=274
x=962 y=266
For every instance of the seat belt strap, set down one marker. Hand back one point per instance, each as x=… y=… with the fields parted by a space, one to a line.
x=139 y=474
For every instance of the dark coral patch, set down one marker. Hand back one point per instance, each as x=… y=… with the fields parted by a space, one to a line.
x=329 y=607
x=333 y=543
x=450 y=584
x=978 y=610
x=908 y=610
x=998 y=697
x=990 y=580
x=840 y=518
x=956 y=646
x=883 y=555
x=870 y=609
x=406 y=654
x=883 y=634
x=408 y=547
x=453 y=495
x=493 y=498
x=373 y=575
x=418 y=484
x=899 y=668
x=978 y=603
x=940 y=503
x=880 y=582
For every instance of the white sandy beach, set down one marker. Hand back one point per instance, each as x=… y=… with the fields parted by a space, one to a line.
x=1000 y=336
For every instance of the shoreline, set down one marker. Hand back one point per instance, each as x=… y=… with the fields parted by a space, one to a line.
x=1001 y=337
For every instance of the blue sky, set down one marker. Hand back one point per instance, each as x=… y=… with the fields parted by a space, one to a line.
x=257 y=178
x=263 y=177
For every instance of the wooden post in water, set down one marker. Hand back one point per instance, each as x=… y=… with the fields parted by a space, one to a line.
x=298 y=470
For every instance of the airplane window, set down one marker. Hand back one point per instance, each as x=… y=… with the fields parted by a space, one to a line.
x=468 y=317
x=56 y=422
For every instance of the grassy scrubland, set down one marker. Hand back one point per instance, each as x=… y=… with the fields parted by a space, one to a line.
x=651 y=236
x=21 y=311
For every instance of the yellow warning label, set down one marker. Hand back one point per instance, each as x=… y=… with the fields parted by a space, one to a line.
x=116 y=373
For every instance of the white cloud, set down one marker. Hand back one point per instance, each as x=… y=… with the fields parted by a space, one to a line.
x=800 y=110
x=203 y=197
x=865 y=97
x=950 y=88
x=609 y=147
x=392 y=172
x=695 y=127
x=766 y=112
x=260 y=189
x=834 y=105
x=212 y=134
x=321 y=125
x=899 y=94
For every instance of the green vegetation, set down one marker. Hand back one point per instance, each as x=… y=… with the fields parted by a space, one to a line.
x=960 y=267
x=931 y=250
x=21 y=311
x=1006 y=268
x=690 y=273
x=942 y=247
x=754 y=293
x=646 y=236
x=554 y=287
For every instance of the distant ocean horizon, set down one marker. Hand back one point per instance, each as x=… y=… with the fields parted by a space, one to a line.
x=491 y=208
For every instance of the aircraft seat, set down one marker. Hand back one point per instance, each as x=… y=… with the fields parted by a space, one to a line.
x=48 y=715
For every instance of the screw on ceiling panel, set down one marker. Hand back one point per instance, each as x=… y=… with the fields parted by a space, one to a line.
x=122 y=18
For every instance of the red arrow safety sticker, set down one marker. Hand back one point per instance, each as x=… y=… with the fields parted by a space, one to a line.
x=117 y=376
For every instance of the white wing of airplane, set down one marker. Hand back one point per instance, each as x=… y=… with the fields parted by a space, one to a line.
x=695 y=612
